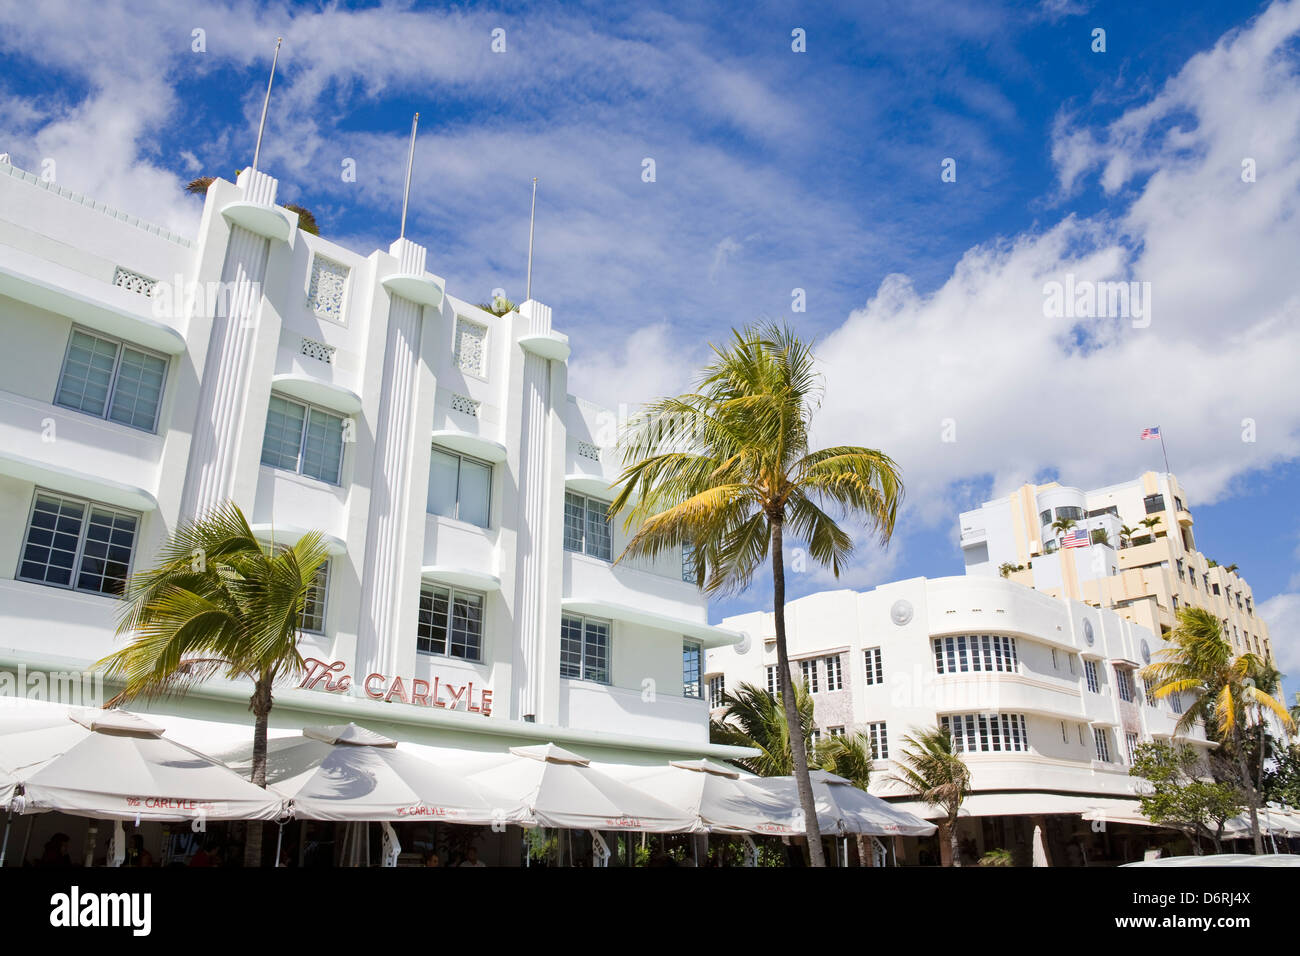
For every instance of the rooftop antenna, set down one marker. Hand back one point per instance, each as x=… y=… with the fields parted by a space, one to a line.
x=532 y=218
x=410 y=161
x=257 y=151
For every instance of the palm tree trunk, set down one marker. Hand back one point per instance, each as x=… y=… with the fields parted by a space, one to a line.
x=260 y=705
x=798 y=755
x=952 y=840
x=1252 y=799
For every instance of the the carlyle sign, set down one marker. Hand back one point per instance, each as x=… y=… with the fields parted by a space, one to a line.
x=331 y=678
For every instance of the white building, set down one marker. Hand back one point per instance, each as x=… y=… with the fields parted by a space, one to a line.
x=1041 y=695
x=461 y=488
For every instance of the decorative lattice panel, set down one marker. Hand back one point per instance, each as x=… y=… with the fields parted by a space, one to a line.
x=587 y=450
x=471 y=347
x=329 y=280
x=467 y=406
x=134 y=282
x=318 y=350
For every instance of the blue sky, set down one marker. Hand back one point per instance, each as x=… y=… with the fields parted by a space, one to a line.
x=776 y=171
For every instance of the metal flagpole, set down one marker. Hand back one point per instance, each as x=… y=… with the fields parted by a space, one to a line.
x=261 y=128
x=1161 y=432
x=532 y=218
x=410 y=161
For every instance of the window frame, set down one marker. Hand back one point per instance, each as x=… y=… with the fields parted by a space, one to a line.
x=452 y=591
x=122 y=346
x=876 y=674
x=302 y=438
x=717 y=689
x=1092 y=678
x=323 y=601
x=834 y=672
x=586 y=512
x=584 y=620
x=74 y=575
x=808 y=673
x=877 y=733
x=461 y=458
x=699 y=669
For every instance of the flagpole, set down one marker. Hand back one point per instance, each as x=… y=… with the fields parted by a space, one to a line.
x=261 y=127
x=1162 y=450
x=532 y=218
x=410 y=161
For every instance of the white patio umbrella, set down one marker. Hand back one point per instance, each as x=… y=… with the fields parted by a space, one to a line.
x=348 y=773
x=110 y=764
x=716 y=795
x=557 y=788
x=842 y=808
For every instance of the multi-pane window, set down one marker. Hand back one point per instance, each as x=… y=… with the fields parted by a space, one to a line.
x=1154 y=503
x=987 y=733
x=1045 y=517
x=303 y=438
x=879 y=740
x=1149 y=693
x=1178 y=564
x=978 y=652
x=717 y=688
x=459 y=487
x=313 y=602
x=1124 y=681
x=1055 y=664
x=773 y=685
x=875 y=669
x=834 y=673
x=1102 y=741
x=688 y=563
x=1069 y=512
x=835 y=731
x=450 y=623
x=814 y=738
x=584 y=649
x=113 y=380
x=1064 y=737
x=809 y=671
x=1090 y=672
x=78 y=544
x=691 y=668
x=1131 y=745
x=1176 y=701
x=586 y=526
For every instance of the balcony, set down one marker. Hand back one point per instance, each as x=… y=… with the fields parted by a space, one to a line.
x=588 y=706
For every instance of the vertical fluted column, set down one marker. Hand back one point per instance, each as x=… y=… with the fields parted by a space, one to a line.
x=390 y=493
x=209 y=479
x=533 y=548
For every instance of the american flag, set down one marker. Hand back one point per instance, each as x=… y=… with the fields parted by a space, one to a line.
x=1078 y=538
x=1150 y=433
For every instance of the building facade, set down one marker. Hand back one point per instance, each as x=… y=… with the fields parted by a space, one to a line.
x=470 y=595
x=1041 y=694
x=1145 y=573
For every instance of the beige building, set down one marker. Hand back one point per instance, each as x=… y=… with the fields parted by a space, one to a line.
x=1139 y=558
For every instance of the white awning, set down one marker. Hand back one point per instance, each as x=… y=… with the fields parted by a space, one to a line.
x=468 y=443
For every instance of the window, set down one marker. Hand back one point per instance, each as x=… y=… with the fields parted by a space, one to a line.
x=1124 y=681
x=1069 y=512
x=304 y=439
x=809 y=671
x=1154 y=503
x=717 y=688
x=981 y=652
x=110 y=379
x=814 y=738
x=835 y=731
x=1080 y=727
x=1090 y=672
x=1149 y=693
x=834 y=673
x=77 y=544
x=584 y=649
x=1175 y=602
x=1176 y=702
x=1055 y=665
x=875 y=670
x=1216 y=588
x=469 y=349
x=879 y=740
x=987 y=733
x=586 y=526
x=1179 y=565
x=689 y=570
x=1249 y=610
x=1239 y=607
x=1178 y=503
x=1131 y=745
x=459 y=487
x=1098 y=512
x=773 y=685
x=451 y=622
x=313 y=602
x=1070 y=658
x=1064 y=737
x=1102 y=741
x=691 y=667
x=1045 y=517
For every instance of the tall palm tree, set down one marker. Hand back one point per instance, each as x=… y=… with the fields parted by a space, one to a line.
x=849 y=757
x=306 y=218
x=1150 y=525
x=1201 y=661
x=932 y=770
x=1061 y=526
x=1126 y=533
x=1268 y=679
x=218 y=602
x=499 y=305
x=754 y=718
x=725 y=470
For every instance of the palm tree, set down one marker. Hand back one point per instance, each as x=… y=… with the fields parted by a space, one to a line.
x=726 y=469
x=849 y=757
x=754 y=718
x=1150 y=525
x=218 y=602
x=306 y=219
x=934 y=772
x=1268 y=680
x=1126 y=534
x=499 y=305
x=1201 y=661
